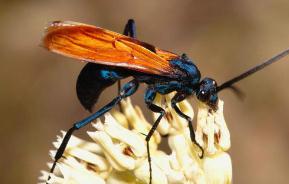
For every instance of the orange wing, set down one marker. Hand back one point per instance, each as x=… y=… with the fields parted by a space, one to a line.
x=97 y=45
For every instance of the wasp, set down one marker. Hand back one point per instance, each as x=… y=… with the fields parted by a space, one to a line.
x=111 y=57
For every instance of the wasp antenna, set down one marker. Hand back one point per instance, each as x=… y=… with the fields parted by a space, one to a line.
x=229 y=83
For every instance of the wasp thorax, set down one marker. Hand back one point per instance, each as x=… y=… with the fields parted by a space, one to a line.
x=207 y=92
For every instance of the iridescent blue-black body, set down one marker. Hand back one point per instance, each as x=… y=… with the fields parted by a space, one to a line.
x=94 y=78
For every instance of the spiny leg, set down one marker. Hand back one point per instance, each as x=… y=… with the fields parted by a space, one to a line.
x=149 y=98
x=129 y=30
x=176 y=99
x=127 y=90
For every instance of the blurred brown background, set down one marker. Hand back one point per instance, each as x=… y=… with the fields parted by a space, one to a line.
x=223 y=37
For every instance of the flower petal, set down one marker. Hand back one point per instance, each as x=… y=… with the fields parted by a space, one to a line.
x=113 y=153
x=135 y=141
x=218 y=168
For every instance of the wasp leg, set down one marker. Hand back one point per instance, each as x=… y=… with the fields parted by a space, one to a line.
x=129 y=30
x=127 y=90
x=176 y=99
x=149 y=98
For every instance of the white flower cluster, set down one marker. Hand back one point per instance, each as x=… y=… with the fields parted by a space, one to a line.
x=118 y=154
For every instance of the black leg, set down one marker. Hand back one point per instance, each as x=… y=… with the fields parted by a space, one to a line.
x=176 y=99
x=149 y=97
x=127 y=90
x=129 y=30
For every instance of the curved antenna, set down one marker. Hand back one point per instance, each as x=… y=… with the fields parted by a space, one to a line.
x=229 y=83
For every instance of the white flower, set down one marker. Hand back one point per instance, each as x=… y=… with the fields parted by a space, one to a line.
x=118 y=154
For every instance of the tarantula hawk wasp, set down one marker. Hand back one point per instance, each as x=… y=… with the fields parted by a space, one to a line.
x=112 y=56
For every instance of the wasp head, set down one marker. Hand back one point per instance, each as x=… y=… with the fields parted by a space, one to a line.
x=207 y=92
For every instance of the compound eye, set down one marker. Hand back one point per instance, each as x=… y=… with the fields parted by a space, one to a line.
x=203 y=95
